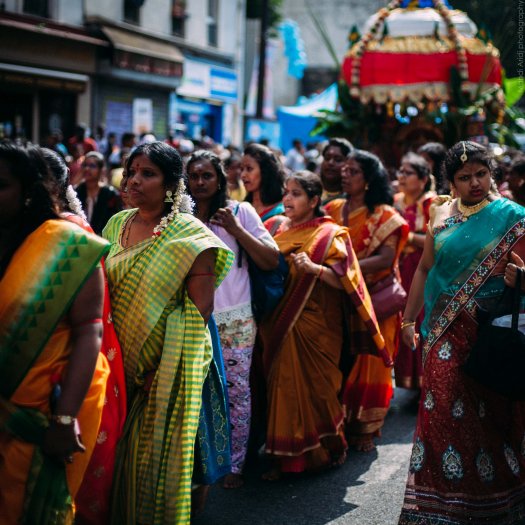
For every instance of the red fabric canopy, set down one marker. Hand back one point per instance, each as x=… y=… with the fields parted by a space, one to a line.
x=400 y=69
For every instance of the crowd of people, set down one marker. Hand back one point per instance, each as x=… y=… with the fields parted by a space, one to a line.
x=138 y=366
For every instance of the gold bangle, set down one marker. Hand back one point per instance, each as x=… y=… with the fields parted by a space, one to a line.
x=406 y=324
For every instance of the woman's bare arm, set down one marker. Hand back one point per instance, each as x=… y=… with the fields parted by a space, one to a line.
x=200 y=283
x=416 y=292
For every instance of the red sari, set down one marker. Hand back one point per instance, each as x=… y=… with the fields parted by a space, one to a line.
x=92 y=500
x=368 y=388
x=408 y=366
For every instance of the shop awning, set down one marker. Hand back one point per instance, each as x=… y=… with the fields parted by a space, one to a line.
x=46 y=78
x=142 y=45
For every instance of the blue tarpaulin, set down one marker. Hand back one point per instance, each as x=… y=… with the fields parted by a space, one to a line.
x=296 y=122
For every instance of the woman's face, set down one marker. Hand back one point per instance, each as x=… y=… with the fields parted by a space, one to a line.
x=333 y=162
x=203 y=180
x=250 y=174
x=408 y=181
x=472 y=182
x=234 y=172
x=298 y=207
x=91 y=170
x=353 y=179
x=145 y=184
x=11 y=204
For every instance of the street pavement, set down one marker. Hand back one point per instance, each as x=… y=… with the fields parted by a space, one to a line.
x=367 y=490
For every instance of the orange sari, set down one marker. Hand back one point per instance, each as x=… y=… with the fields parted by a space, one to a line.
x=302 y=348
x=368 y=388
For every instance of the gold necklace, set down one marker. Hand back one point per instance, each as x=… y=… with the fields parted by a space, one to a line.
x=467 y=211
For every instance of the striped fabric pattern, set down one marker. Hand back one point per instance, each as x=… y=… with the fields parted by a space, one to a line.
x=160 y=331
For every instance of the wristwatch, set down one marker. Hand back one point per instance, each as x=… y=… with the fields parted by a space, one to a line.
x=64 y=420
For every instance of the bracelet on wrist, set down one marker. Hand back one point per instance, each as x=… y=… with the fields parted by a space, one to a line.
x=63 y=420
x=321 y=269
x=407 y=323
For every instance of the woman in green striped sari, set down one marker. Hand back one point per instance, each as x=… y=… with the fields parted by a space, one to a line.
x=162 y=268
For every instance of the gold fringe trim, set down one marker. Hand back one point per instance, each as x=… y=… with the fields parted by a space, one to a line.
x=435 y=91
x=426 y=45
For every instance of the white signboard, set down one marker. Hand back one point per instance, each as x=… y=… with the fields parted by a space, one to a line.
x=142 y=115
x=196 y=80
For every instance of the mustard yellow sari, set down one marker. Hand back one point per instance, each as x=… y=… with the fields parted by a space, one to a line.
x=303 y=342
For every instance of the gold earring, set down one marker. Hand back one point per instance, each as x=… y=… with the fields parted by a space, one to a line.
x=169 y=196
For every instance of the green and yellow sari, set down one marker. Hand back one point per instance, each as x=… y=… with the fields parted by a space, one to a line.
x=36 y=291
x=163 y=338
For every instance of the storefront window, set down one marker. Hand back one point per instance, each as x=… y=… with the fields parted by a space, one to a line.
x=37 y=7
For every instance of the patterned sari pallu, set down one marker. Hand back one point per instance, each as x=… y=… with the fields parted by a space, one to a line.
x=468 y=459
x=40 y=284
x=164 y=341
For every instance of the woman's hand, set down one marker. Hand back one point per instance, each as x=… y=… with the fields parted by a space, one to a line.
x=62 y=441
x=511 y=270
x=409 y=336
x=225 y=218
x=304 y=263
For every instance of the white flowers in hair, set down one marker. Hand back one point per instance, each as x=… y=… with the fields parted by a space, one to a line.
x=182 y=202
x=186 y=204
x=74 y=203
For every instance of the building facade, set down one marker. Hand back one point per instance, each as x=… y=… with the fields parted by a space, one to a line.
x=337 y=17
x=120 y=64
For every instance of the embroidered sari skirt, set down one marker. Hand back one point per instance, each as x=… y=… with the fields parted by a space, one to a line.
x=468 y=459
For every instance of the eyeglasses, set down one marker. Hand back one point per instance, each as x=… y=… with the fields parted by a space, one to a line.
x=405 y=173
x=90 y=165
x=352 y=171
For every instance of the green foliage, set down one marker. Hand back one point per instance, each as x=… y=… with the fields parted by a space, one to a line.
x=514 y=89
x=357 y=122
x=504 y=133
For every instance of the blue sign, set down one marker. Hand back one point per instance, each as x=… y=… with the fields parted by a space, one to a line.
x=258 y=129
x=189 y=106
x=223 y=84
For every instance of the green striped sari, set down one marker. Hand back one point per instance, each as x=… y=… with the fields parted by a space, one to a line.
x=161 y=331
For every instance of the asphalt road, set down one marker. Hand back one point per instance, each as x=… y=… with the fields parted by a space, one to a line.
x=367 y=490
